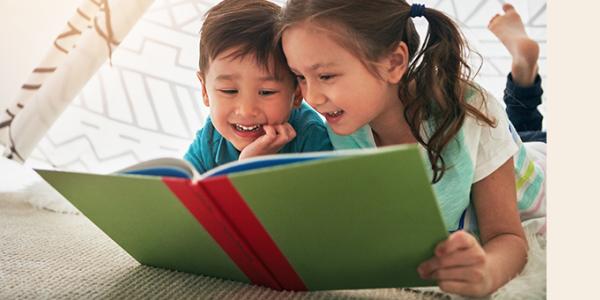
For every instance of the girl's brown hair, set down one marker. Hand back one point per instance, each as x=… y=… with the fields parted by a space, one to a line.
x=438 y=70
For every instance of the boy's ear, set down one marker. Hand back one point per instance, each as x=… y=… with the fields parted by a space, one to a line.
x=297 y=100
x=397 y=63
x=204 y=93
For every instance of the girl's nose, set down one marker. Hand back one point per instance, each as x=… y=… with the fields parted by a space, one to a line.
x=313 y=96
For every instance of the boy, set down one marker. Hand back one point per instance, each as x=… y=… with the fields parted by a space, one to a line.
x=523 y=91
x=255 y=105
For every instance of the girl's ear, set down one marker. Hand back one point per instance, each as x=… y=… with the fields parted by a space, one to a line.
x=204 y=93
x=297 y=100
x=397 y=63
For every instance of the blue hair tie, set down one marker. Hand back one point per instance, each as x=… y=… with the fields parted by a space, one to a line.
x=417 y=10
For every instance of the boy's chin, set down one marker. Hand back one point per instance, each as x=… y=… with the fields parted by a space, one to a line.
x=241 y=146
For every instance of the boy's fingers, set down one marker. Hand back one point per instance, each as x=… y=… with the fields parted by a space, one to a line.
x=290 y=130
x=290 y=133
x=270 y=134
x=265 y=139
x=283 y=134
x=269 y=131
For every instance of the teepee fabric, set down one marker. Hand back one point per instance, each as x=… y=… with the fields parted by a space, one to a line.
x=96 y=29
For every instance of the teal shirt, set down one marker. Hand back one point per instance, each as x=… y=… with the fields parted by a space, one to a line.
x=210 y=149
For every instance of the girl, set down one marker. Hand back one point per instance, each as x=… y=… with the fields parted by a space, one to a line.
x=359 y=64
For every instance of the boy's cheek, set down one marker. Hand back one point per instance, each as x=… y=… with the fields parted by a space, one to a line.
x=280 y=113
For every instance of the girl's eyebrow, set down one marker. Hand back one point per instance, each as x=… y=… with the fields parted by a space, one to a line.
x=317 y=66
x=322 y=65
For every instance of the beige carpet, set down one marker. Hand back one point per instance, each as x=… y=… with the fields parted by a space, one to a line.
x=49 y=255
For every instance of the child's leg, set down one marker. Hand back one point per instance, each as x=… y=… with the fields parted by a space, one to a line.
x=523 y=87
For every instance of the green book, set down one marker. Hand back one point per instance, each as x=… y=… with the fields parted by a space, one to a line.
x=312 y=221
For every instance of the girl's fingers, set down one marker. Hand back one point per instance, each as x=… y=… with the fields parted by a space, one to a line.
x=462 y=288
x=465 y=274
x=459 y=258
x=466 y=257
x=426 y=268
x=458 y=240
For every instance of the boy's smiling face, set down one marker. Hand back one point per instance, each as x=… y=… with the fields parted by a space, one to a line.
x=243 y=96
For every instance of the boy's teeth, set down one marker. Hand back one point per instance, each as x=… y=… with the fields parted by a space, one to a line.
x=246 y=128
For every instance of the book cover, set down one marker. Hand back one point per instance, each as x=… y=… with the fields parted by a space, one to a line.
x=349 y=220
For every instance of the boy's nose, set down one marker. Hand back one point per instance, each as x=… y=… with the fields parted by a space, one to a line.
x=247 y=108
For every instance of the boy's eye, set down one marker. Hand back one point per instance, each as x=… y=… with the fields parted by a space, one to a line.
x=266 y=92
x=229 y=91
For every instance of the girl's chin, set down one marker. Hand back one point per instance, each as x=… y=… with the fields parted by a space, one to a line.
x=340 y=130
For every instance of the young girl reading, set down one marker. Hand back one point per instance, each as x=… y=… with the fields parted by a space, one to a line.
x=360 y=65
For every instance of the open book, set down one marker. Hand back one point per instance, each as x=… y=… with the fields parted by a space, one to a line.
x=312 y=221
x=175 y=167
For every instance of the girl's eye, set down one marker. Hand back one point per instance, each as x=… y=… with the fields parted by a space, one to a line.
x=229 y=92
x=326 y=77
x=266 y=92
x=300 y=78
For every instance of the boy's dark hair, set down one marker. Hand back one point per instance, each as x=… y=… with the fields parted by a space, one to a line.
x=250 y=25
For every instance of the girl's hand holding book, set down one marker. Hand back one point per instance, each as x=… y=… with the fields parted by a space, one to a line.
x=460 y=265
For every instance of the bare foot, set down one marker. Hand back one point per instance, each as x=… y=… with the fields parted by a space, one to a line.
x=510 y=30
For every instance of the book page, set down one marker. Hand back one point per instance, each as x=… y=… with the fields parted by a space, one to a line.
x=274 y=160
x=165 y=166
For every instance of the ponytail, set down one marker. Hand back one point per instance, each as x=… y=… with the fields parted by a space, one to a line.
x=441 y=77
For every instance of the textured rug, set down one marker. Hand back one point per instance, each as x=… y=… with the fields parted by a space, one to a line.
x=50 y=255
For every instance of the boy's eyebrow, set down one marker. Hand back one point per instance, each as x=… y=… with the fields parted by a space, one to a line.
x=269 y=78
x=227 y=77
x=237 y=76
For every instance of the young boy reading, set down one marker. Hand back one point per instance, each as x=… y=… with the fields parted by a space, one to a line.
x=255 y=105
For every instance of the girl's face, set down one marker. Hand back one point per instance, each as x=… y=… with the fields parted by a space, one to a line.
x=335 y=82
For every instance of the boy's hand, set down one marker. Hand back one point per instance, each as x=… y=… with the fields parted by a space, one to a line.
x=275 y=137
x=460 y=266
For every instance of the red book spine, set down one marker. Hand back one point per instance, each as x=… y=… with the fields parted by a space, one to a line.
x=251 y=230
x=199 y=203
